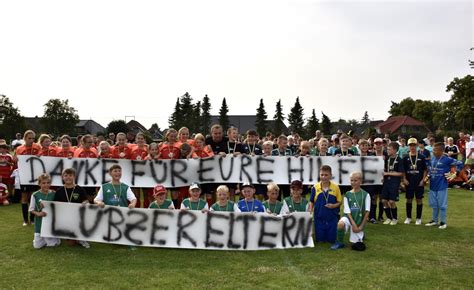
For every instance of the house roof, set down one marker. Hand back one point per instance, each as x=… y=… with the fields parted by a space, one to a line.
x=132 y=124
x=393 y=123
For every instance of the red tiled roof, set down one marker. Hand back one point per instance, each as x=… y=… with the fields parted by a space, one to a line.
x=393 y=123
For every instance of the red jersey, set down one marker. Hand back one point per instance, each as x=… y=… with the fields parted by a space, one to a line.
x=3 y=190
x=189 y=141
x=105 y=154
x=50 y=151
x=139 y=153
x=69 y=153
x=202 y=153
x=85 y=153
x=169 y=152
x=6 y=166
x=34 y=149
x=121 y=152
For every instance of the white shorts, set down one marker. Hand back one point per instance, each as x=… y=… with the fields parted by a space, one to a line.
x=40 y=242
x=354 y=237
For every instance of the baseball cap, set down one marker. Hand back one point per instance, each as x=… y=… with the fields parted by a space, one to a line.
x=296 y=183
x=247 y=184
x=378 y=140
x=159 y=188
x=412 y=141
x=194 y=185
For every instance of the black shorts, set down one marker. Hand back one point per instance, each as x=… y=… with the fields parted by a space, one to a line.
x=390 y=193
x=417 y=192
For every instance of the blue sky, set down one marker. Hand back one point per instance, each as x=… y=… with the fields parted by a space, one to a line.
x=113 y=59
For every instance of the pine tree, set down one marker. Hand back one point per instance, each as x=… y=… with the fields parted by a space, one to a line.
x=295 y=118
x=223 y=117
x=186 y=117
x=173 y=120
x=206 y=115
x=325 y=124
x=260 y=120
x=279 y=117
x=312 y=125
x=365 y=119
x=196 y=125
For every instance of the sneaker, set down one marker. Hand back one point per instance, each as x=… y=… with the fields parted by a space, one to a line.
x=407 y=221
x=380 y=219
x=387 y=221
x=394 y=222
x=337 y=246
x=84 y=244
x=431 y=223
x=25 y=224
x=418 y=222
x=372 y=220
x=442 y=226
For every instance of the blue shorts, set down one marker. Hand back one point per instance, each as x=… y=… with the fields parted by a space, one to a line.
x=390 y=193
x=325 y=231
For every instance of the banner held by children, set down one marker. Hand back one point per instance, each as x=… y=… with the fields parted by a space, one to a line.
x=181 y=172
x=176 y=228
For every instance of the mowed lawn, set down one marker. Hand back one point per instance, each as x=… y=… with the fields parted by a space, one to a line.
x=401 y=256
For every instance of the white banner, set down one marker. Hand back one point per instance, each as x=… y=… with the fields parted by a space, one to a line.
x=181 y=172
x=176 y=228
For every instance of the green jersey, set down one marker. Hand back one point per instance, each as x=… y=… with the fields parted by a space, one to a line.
x=273 y=207
x=194 y=205
x=38 y=197
x=115 y=195
x=228 y=207
x=166 y=204
x=357 y=206
x=294 y=206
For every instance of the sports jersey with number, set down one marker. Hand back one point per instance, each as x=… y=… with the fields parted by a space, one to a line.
x=165 y=205
x=320 y=198
x=35 y=201
x=274 y=208
x=194 y=205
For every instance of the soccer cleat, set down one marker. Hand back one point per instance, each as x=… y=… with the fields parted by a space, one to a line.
x=407 y=221
x=393 y=222
x=337 y=245
x=25 y=224
x=387 y=221
x=442 y=226
x=418 y=222
x=84 y=244
x=372 y=220
x=431 y=223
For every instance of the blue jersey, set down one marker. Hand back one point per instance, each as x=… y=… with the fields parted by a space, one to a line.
x=320 y=198
x=251 y=206
x=439 y=167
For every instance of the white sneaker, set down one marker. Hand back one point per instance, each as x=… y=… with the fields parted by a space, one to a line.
x=84 y=244
x=418 y=222
x=442 y=226
x=431 y=223
x=387 y=221
x=25 y=224
x=393 y=222
x=407 y=221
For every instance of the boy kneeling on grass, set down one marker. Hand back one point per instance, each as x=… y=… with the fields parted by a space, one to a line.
x=356 y=210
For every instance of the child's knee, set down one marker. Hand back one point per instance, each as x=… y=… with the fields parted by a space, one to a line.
x=340 y=225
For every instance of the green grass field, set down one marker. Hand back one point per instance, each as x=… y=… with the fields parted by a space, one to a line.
x=402 y=256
